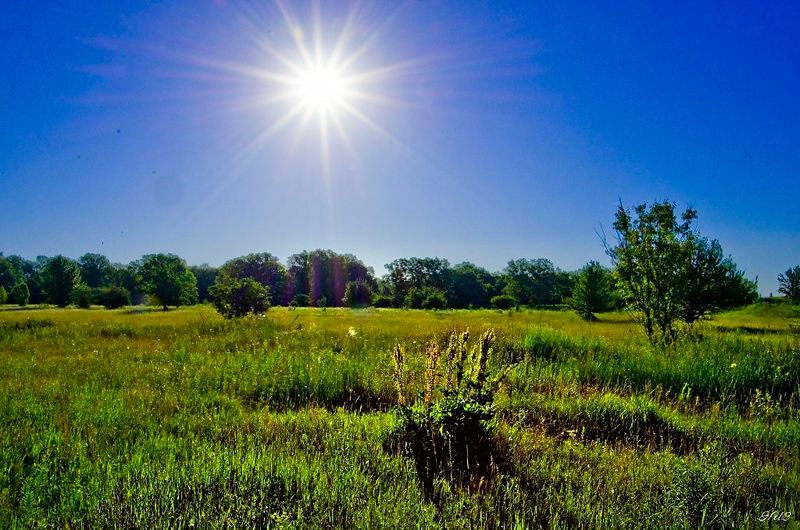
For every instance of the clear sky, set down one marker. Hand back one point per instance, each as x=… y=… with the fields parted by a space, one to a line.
x=472 y=131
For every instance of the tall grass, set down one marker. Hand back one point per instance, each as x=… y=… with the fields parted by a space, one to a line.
x=180 y=419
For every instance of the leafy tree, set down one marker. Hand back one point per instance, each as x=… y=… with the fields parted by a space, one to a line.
x=9 y=274
x=382 y=301
x=325 y=274
x=206 y=275
x=301 y=300
x=592 y=291
x=434 y=299
x=166 y=277
x=263 y=268
x=536 y=282
x=426 y=298
x=114 y=297
x=668 y=273
x=236 y=297
x=417 y=273
x=711 y=282
x=652 y=250
x=83 y=296
x=96 y=270
x=470 y=286
x=789 y=284
x=59 y=277
x=127 y=277
x=503 y=301
x=19 y=295
x=357 y=294
x=3 y=295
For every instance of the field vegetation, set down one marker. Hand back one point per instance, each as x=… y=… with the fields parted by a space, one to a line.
x=296 y=418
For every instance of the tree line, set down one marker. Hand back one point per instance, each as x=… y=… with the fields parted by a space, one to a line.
x=318 y=278
x=663 y=270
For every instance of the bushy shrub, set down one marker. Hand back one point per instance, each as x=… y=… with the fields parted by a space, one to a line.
x=503 y=301
x=382 y=301
x=301 y=300
x=83 y=296
x=357 y=294
x=3 y=295
x=114 y=297
x=452 y=435
x=434 y=300
x=426 y=298
x=235 y=297
x=19 y=295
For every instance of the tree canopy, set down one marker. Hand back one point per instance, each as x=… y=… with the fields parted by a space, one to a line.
x=166 y=277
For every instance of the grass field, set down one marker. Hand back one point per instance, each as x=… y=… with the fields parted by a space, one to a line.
x=143 y=418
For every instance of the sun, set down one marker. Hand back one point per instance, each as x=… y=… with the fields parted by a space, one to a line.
x=321 y=88
x=327 y=75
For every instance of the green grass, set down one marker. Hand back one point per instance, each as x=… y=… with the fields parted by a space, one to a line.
x=140 y=418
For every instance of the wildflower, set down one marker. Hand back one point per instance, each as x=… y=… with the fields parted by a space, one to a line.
x=351 y=332
x=733 y=365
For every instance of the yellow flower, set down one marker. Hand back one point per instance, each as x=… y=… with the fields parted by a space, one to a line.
x=351 y=332
x=733 y=365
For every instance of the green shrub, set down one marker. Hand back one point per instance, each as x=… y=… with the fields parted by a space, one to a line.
x=83 y=296
x=237 y=297
x=382 y=301
x=451 y=436
x=114 y=297
x=301 y=300
x=503 y=301
x=426 y=298
x=434 y=300
x=357 y=294
x=19 y=295
x=3 y=295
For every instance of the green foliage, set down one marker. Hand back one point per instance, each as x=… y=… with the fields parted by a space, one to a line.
x=357 y=294
x=417 y=273
x=382 y=301
x=503 y=301
x=234 y=297
x=434 y=299
x=264 y=268
x=59 y=277
x=3 y=295
x=470 y=286
x=9 y=274
x=206 y=276
x=96 y=270
x=453 y=435
x=143 y=418
x=19 y=295
x=536 y=282
x=301 y=300
x=711 y=283
x=789 y=283
x=114 y=297
x=668 y=273
x=425 y=298
x=592 y=291
x=166 y=277
x=83 y=296
x=325 y=274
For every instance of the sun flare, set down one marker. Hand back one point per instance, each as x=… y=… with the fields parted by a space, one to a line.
x=321 y=88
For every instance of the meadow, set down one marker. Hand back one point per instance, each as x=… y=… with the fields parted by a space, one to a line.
x=140 y=418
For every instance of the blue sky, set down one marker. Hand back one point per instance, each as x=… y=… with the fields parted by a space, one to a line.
x=491 y=131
